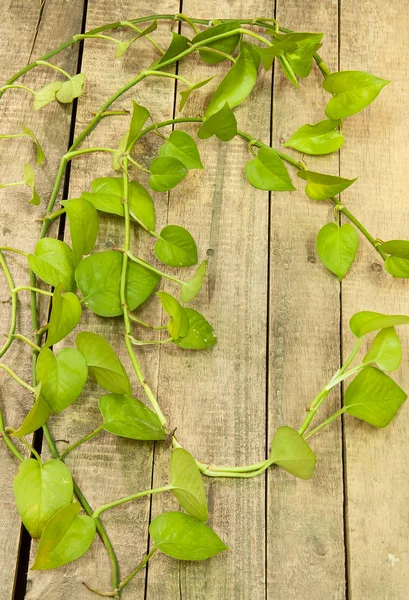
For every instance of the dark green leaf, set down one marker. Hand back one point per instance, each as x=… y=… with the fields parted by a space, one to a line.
x=84 y=224
x=53 y=262
x=323 y=187
x=337 y=247
x=398 y=267
x=200 y=334
x=46 y=95
x=176 y=247
x=321 y=138
x=234 y=88
x=140 y=114
x=166 y=173
x=292 y=453
x=222 y=124
x=386 y=350
x=178 y=325
x=268 y=172
x=179 y=44
x=366 y=321
x=71 y=89
x=40 y=152
x=192 y=287
x=188 y=485
x=399 y=248
x=352 y=92
x=130 y=418
x=186 y=93
x=65 y=315
x=227 y=45
x=182 y=146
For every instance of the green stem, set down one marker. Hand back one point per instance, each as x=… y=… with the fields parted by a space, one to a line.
x=16 y=377
x=149 y=342
x=29 y=447
x=10 y=249
x=16 y=86
x=44 y=63
x=8 y=441
x=22 y=288
x=148 y=37
x=82 y=441
x=138 y=568
x=104 y=507
x=326 y=422
x=12 y=184
x=13 y=322
x=23 y=338
x=74 y=154
x=55 y=215
x=147 y=265
x=144 y=324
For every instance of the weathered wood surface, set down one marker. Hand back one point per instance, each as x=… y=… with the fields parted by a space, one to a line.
x=280 y=317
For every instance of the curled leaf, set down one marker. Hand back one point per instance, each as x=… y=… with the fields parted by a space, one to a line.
x=29 y=179
x=192 y=287
x=222 y=124
x=71 y=89
x=323 y=187
x=178 y=325
x=268 y=172
x=40 y=153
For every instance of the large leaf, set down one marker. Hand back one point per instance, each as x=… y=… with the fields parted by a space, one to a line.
x=84 y=224
x=184 y=94
x=222 y=124
x=200 y=334
x=398 y=267
x=366 y=321
x=130 y=418
x=268 y=172
x=176 y=247
x=103 y=364
x=99 y=278
x=292 y=453
x=323 y=187
x=66 y=537
x=352 y=92
x=337 y=247
x=65 y=315
x=192 y=287
x=53 y=262
x=184 y=537
x=187 y=483
x=399 y=248
x=40 y=491
x=37 y=417
x=234 y=88
x=227 y=45
x=386 y=350
x=178 y=326
x=322 y=138
x=166 y=173
x=140 y=114
x=71 y=89
x=374 y=397
x=182 y=146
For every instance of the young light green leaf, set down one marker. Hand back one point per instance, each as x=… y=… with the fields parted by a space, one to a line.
x=182 y=146
x=366 y=321
x=398 y=248
x=321 y=138
x=46 y=95
x=397 y=267
x=352 y=92
x=29 y=179
x=299 y=51
x=99 y=279
x=222 y=124
x=292 y=453
x=176 y=247
x=37 y=417
x=386 y=350
x=192 y=287
x=268 y=172
x=53 y=262
x=166 y=173
x=140 y=114
x=71 y=89
x=178 y=326
x=200 y=334
x=184 y=94
x=66 y=537
x=185 y=538
x=40 y=153
x=104 y=366
x=179 y=44
x=84 y=224
x=374 y=397
x=130 y=418
x=62 y=377
x=187 y=483
x=234 y=88
x=337 y=247
x=40 y=491
x=288 y=70
x=119 y=154
x=227 y=45
x=65 y=315
x=323 y=187
x=122 y=47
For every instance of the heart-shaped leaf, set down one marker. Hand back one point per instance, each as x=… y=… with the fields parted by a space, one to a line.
x=46 y=95
x=291 y=452
x=323 y=187
x=268 y=172
x=352 y=92
x=337 y=247
x=178 y=325
x=65 y=315
x=222 y=124
x=140 y=115
x=200 y=334
x=40 y=153
x=29 y=179
x=227 y=45
x=322 y=138
x=40 y=491
x=130 y=418
x=66 y=537
x=179 y=44
x=187 y=483
x=184 y=94
x=399 y=248
x=184 y=537
x=167 y=172
x=84 y=224
x=234 y=88
x=295 y=50
x=53 y=262
x=182 y=146
x=176 y=247
x=386 y=350
x=38 y=415
x=71 y=89
x=397 y=267
x=366 y=321
x=192 y=287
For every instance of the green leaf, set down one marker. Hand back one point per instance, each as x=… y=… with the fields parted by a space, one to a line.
x=182 y=146
x=374 y=397
x=352 y=92
x=29 y=179
x=53 y=262
x=120 y=153
x=192 y=287
x=166 y=173
x=40 y=153
x=179 y=44
x=66 y=537
x=185 y=538
x=46 y=95
x=297 y=50
x=222 y=124
x=104 y=366
x=130 y=418
x=397 y=267
x=99 y=280
x=40 y=491
x=107 y=196
x=268 y=172
x=366 y=321
x=176 y=247
x=65 y=315
x=287 y=70
x=178 y=325
x=62 y=377
x=200 y=334
x=249 y=52
x=234 y=88
x=227 y=45
x=323 y=187
x=337 y=247
x=70 y=89
x=184 y=94
x=321 y=138
x=188 y=484
x=122 y=47
x=84 y=224
x=291 y=452
x=38 y=415
x=386 y=350
x=140 y=115
x=399 y=248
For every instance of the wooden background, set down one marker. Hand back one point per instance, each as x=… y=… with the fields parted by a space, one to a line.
x=280 y=317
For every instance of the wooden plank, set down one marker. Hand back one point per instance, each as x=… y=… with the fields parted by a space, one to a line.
x=26 y=30
x=376 y=151
x=305 y=552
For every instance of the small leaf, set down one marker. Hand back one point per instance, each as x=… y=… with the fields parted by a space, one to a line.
x=28 y=176
x=166 y=173
x=122 y=47
x=184 y=94
x=176 y=247
x=182 y=146
x=66 y=537
x=65 y=315
x=234 y=88
x=178 y=325
x=386 y=350
x=53 y=262
x=399 y=248
x=188 y=485
x=46 y=95
x=40 y=491
x=192 y=287
x=321 y=138
x=352 y=92
x=288 y=70
x=227 y=45
x=84 y=224
x=268 y=172
x=200 y=334
x=179 y=44
x=397 y=267
x=222 y=124
x=337 y=247
x=374 y=397
x=104 y=366
x=38 y=415
x=120 y=153
x=185 y=538
x=40 y=152
x=130 y=418
x=366 y=321
x=292 y=453
x=70 y=89
x=323 y=187
x=140 y=114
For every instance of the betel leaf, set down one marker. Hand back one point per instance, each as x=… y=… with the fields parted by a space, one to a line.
x=176 y=247
x=323 y=187
x=178 y=326
x=66 y=537
x=366 y=321
x=200 y=334
x=104 y=366
x=99 y=280
x=385 y=350
x=166 y=173
x=179 y=44
x=107 y=196
x=40 y=153
x=374 y=397
x=234 y=88
x=65 y=315
x=398 y=248
x=71 y=89
x=227 y=45
x=53 y=262
x=46 y=95
x=352 y=92
x=222 y=124
x=192 y=287
x=181 y=145
x=140 y=114
x=337 y=247
x=62 y=377
x=397 y=267
x=130 y=418
x=84 y=224
x=38 y=415
x=40 y=491
x=322 y=138
x=185 y=538
x=187 y=483
x=268 y=172
x=291 y=452
x=184 y=94
x=29 y=179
